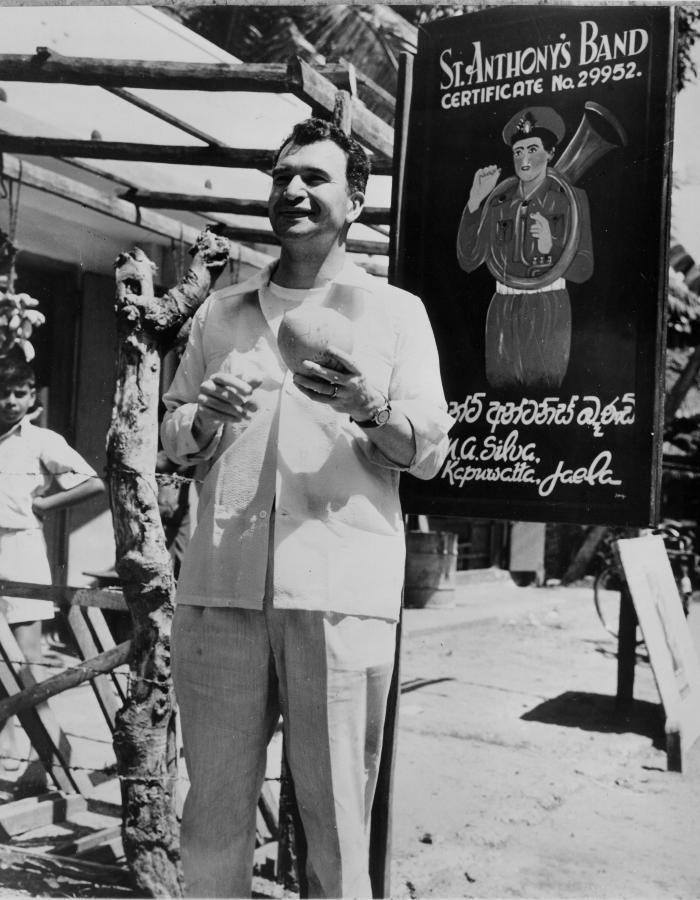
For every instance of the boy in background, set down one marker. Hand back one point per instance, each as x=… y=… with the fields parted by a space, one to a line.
x=39 y=475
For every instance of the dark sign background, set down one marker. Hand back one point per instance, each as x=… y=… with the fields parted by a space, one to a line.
x=588 y=452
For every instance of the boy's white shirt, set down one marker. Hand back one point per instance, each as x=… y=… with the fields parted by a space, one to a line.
x=30 y=458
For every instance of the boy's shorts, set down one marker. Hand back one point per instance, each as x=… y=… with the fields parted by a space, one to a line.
x=23 y=557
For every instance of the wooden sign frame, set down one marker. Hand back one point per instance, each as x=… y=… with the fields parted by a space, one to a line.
x=561 y=423
x=669 y=642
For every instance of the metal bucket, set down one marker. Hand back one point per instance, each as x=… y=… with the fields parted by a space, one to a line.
x=431 y=566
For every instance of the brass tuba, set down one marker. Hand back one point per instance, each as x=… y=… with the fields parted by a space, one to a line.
x=598 y=132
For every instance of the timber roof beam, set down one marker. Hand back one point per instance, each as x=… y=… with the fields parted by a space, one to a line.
x=227 y=157
x=297 y=78
x=41 y=179
x=231 y=157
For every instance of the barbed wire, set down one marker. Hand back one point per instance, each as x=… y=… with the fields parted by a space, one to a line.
x=160 y=477
x=111 y=770
x=79 y=664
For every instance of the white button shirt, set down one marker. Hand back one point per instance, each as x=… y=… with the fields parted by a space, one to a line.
x=30 y=457
x=338 y=526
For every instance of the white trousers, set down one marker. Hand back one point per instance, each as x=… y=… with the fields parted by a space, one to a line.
x=328 y=674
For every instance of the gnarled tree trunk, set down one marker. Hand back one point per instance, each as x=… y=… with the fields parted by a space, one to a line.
x=144 y=739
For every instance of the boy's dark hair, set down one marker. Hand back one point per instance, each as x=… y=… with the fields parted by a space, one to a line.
x=310 y=131
x=15 y=370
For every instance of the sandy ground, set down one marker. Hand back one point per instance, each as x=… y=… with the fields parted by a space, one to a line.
x=515 y=777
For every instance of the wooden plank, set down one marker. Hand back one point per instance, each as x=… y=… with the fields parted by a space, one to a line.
x=342 y=111
x=37 y=693
x=371 y=215
x=98 y=873
x=259 y=236
x=398 y=182
x=367 y=89
x=105 y=641
x=316 y=90
x=100 y=628
x=669 y=642
x=110 y=836
x=626 y=651
x=229 y=157
x=298 y=78
x=165 y=116
x=48 y=739
x=165 y=75
x=52 y=183
x=100 y=684
x=48 y=66
x=146 y=106
x=268 y=808
x=34 y=812
x=99 y=599
x=59 y=594
x=169 y=154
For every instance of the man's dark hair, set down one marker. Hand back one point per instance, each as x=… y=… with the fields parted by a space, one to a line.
x=310 y=131
x=15 y=371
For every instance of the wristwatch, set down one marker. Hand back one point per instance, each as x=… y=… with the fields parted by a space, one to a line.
x=379 y=417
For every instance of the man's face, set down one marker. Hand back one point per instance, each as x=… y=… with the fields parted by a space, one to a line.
x=15 y=402
x=530 y=159
x=310 y=196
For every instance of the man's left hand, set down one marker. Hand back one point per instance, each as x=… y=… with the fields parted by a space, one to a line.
x=345 y=388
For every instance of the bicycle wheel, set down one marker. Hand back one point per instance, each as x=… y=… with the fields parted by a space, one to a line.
x=607 y=594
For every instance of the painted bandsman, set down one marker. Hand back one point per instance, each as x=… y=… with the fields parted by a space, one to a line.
x=533 y=233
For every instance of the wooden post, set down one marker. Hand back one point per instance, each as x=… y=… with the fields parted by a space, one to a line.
x=626 y=651
x=398 y=186
x=381 y=824
x=342 y=111
x=144 y=737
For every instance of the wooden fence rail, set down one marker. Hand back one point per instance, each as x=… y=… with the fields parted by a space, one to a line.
x=74 y=596
x=69 y=678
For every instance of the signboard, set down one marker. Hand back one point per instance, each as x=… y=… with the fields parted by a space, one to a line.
x=668 y=640
x=535 y=230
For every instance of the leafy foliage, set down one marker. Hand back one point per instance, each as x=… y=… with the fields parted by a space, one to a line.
x=370 y=37
x=684 y=311
x=688 y=28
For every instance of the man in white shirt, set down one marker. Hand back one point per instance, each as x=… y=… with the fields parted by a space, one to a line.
x=290 y=589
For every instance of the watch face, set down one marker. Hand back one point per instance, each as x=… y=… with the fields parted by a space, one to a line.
x=382 y=416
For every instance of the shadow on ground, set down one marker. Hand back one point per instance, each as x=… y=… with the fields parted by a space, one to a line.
x=597 y=712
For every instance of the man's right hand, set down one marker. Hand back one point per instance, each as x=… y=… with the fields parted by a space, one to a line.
x=223 y=398
x=485 y=180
